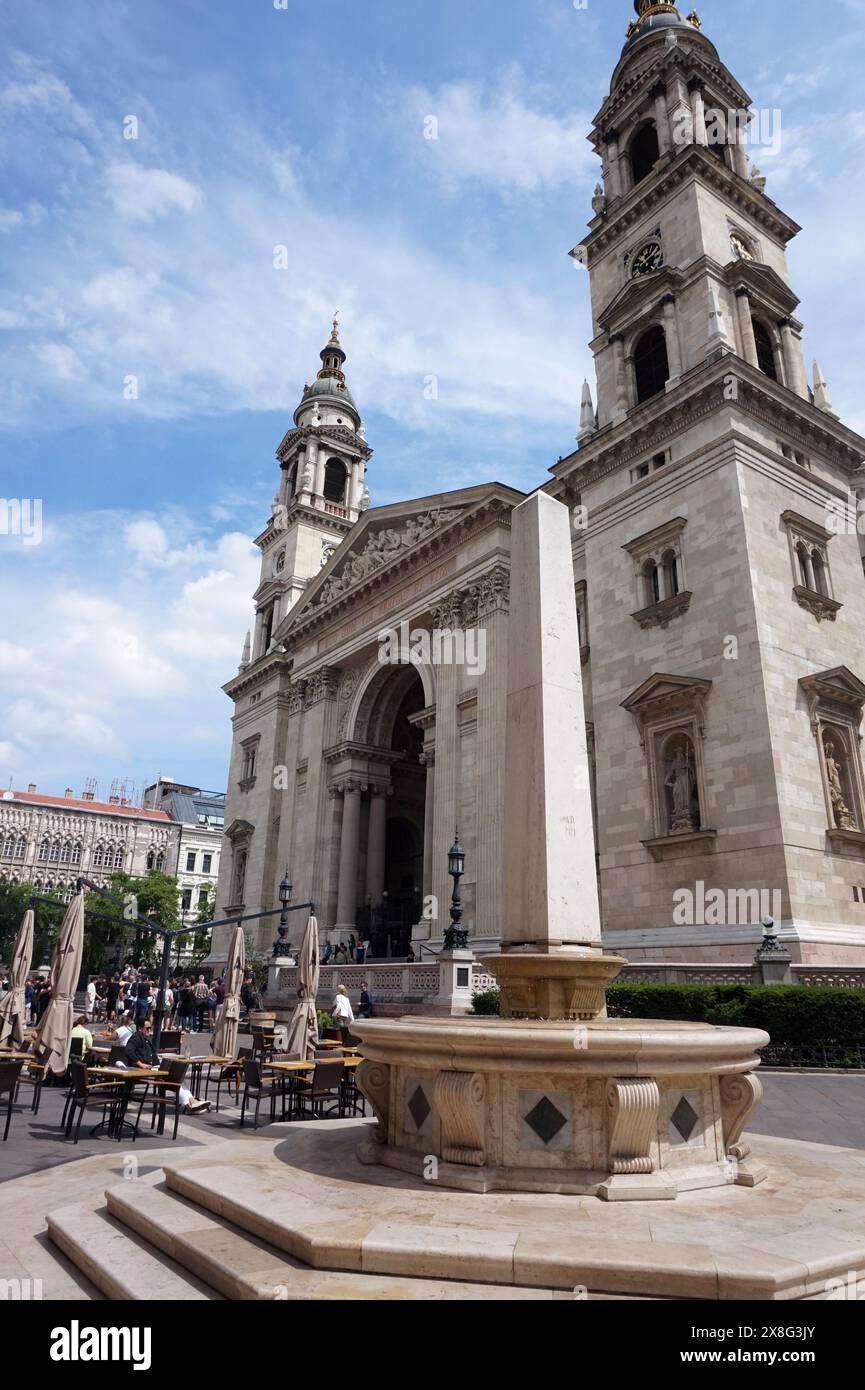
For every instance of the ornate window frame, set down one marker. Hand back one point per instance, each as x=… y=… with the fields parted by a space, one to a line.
x=582 y=598
x=656 y=549
x=239 y=835
x=807 y=540
x=836 y=702
x=662 y=707
x=249 y=749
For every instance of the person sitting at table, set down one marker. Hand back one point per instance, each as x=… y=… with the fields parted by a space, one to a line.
x=142 y=1055
x=81 y=1030
x=122 y=1030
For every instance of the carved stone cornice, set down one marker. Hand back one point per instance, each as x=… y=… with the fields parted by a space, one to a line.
x=296 y=696
x=820 y=605
x=663 y=613
x=834 y=692
x=302 y=433
x=663 y=695
x=472 y=603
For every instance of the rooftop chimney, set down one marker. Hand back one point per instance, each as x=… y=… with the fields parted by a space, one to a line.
x=69 y=793
x=32 y=787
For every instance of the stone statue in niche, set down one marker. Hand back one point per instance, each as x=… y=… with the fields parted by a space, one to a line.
x=681 y=783
x=840 y=810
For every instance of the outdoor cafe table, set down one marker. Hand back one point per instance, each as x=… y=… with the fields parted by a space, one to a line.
x=130 y=1075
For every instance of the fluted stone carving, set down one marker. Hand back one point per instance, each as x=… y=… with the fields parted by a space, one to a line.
x=740 y=1096
x=373 y=1079
x=632 y=1108
x=322 y=685
x=460 y=1100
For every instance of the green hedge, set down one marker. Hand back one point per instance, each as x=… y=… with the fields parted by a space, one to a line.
x=793 y=1014
x=798 y=1015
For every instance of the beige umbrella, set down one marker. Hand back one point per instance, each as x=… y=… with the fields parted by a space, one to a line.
x=55 y=1027
x=303 y=1029
x=12 y=1004
x=224 y=1040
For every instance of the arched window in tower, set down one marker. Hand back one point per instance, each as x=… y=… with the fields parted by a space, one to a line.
x=334 y=481
x=644 y=152
x=765 y=351
x=292 y=479
x=671 y=574
x=651 y=583
x=651 y=364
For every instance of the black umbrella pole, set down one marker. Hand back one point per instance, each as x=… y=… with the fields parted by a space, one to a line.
x=159 y=1011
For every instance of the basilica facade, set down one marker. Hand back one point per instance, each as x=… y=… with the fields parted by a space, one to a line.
x=718 y=573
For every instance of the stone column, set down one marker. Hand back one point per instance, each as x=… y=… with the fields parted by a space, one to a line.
x=738 y=135
x=746 y=327
x=698 y=110
x=671 y=330
x=794 y=362
x=318 y=486
x=354 y=487
x=346 y=910
x=492 y=619
x=618 y=346
x=428 y=759
x=376 y=843
x=550 y=893
x=612 y=167
x=449 y=678
x=662 y=120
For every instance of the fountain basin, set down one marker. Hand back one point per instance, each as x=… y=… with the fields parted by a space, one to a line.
x=623 y=1109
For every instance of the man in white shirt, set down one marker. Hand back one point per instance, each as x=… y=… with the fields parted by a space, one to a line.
x=90 y=1000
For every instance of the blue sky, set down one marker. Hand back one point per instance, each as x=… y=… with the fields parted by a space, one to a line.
x=153 y=258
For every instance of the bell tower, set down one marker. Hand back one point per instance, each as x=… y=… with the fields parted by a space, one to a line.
x=717 y=559
x=322 y=492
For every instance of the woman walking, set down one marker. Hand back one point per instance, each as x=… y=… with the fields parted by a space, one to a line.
x=343 y=1014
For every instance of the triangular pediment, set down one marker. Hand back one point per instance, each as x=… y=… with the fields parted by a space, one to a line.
x=388 y=539
x=638 y=296
x=239 y=830
x=764 y=282
x=661 y=689
x=839 y=685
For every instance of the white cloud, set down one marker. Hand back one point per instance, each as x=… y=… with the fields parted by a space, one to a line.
x=495 y=139
x=141 y=195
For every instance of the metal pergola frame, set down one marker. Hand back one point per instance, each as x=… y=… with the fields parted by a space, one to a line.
x=168 y=937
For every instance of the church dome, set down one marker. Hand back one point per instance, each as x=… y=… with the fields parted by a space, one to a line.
x=329 y=386
x=655 y=19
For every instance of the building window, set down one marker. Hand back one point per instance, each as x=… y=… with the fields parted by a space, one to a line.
x=99 y=856
x=206 y=862
x=249 y=759
x=809 y=553
x=76 y=854
x=190 y=862
x=66 y=852
x=765 y=350
x=186 y=899
x=203 y=897
x=651 y=365
x=334 y=481
x=150 y=862
x=43 y=850
x=55 y=852
x=644 y=152
x=8 y=847
x=160 y=862
x=659 y=574
x=118 y=859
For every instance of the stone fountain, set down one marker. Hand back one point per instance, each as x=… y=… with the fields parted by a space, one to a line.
x=553 y=1096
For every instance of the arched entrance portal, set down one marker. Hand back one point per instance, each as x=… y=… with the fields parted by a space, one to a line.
x=386 y=720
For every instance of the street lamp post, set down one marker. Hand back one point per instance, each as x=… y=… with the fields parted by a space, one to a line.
x=282 y=947
x=456 y=936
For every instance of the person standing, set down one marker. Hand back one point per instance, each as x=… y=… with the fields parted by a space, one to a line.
x=90 y=1001
x=365 y=1006
x=199 y=994
x=343 y=1014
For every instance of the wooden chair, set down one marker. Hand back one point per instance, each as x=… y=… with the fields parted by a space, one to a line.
x=165 y=1097
x=256 y=1089
x=9 y=1073
x=34 y=1076
x=107 y=1096
x=326 y=1085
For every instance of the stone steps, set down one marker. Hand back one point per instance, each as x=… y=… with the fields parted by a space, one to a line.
x=123 y=1267
x=241 y=1266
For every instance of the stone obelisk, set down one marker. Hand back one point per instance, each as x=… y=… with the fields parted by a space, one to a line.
x=552 y=963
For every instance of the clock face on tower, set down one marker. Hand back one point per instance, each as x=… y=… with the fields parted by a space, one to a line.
x=279 y=562
x=649 y=257
x=741 y=249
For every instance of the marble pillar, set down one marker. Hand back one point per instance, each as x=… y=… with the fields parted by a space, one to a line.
x=550 y=897
x=375 y=854
x=746 y=327
x=346 y=910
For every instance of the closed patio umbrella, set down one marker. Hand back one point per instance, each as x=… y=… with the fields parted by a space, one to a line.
x=303 y=1029
x=224 y=1040
x=12 y=1004
x=55 y=1026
